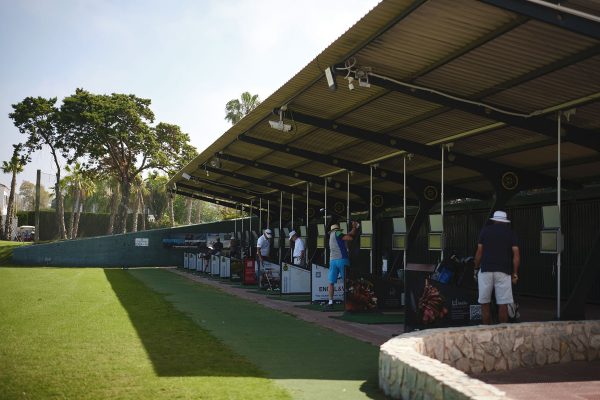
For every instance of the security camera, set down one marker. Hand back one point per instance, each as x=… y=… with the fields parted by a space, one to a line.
x=280 y=126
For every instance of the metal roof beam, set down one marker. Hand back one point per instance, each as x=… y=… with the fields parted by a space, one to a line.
x=573 y=23
x=224 y=196
x=203 y=198
x=417 y=184
x=248 y=202
x=492 y=170
x=542 y=125
x=273 y=185
x=302 y=176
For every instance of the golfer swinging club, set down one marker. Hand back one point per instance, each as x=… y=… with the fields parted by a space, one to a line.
x=338 y=257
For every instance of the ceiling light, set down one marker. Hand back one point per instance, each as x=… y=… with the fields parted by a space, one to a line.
x=186 y=176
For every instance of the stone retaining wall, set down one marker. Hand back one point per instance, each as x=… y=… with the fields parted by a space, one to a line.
x=432 y=364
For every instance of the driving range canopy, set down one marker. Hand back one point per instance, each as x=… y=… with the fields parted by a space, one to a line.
x=484 y=80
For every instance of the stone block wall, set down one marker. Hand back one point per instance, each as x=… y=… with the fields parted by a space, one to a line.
x=432 y=364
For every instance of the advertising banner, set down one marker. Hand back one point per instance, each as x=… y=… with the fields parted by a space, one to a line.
x=294 y=279
x=320 y=284
x=431 y=304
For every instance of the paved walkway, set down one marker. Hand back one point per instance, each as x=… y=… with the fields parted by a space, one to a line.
x=374 y=334
x=578 y=380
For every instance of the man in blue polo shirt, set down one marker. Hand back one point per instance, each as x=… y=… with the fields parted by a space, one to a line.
x=497 y=259
x=338 y=256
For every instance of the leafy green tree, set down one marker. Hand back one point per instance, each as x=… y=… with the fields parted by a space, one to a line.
x=39 y=119
x=236 y=109
x=113 y=133
x=157 y=194
x=27 y=195
x=14 y=166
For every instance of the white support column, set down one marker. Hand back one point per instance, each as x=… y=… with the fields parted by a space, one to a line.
x=250 y=229
x=268 y=213
x=260 y=216
x=325 y=224
x=292 y=228
x=280 y=227
x=348 y=201
x=234 y=224
x=558 y=202
x=306 y=253
x=404 y=213
x=442 y=205
x=371 y=218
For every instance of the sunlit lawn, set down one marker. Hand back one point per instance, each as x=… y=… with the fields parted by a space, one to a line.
x=90 y=333
x=6 y=249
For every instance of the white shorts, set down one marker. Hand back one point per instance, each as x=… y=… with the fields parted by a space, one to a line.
x=500 y=282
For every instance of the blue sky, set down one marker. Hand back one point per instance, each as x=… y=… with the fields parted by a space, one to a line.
x=188 y=57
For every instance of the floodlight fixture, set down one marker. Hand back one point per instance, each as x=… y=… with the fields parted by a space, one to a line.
x=330 y=76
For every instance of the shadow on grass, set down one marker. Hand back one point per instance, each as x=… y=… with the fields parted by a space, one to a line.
x=281 y=345
x=175 y=345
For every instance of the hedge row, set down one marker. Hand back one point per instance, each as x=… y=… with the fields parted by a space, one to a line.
x=90 y=224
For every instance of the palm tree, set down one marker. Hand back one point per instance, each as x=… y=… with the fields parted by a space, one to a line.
x=236 y=109
x=139 y=191
x=81 y=184
x=14 y=166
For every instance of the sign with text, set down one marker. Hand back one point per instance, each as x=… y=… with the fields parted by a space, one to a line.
x=141 y=242
x=320 y=285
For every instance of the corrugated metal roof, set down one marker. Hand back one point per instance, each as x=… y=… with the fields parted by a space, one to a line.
x=463 y=47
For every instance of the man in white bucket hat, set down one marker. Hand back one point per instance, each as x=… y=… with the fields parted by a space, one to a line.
x=497 y=259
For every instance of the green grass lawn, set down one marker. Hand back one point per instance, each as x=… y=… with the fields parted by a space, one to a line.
x=151 y=334
x=6 y=249
x=97 y=334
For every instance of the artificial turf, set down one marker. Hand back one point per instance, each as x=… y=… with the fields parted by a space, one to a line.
x=310 y=361
x=98 y=334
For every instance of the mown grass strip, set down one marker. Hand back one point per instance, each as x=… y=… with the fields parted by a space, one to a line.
x=89 y=333
x=308 y=360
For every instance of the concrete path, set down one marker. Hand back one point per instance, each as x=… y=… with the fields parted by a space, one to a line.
x=374 y=334
x=577 y=380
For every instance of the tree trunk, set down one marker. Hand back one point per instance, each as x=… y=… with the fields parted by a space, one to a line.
x=78 y=216
x=10 y=212
x=114 y=202
x=188 y=206
x=60 y=206
x=143 y=211
x=198 y=211
x=76 y=196
x=121 y=222
x=136 y=212
x=171 y=211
